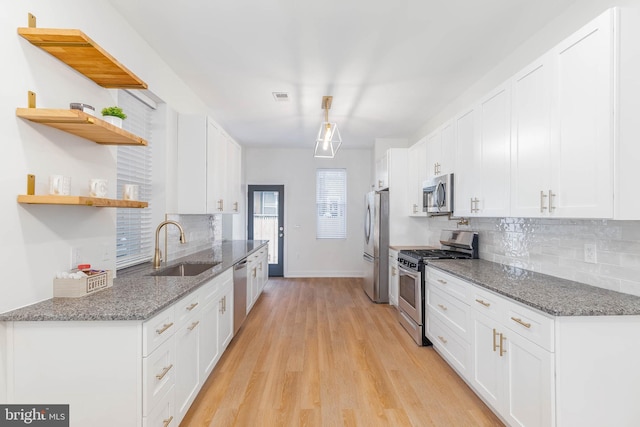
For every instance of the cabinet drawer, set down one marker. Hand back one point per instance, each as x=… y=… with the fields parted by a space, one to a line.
x=187 y=307
x=448 y=283
x=164 y=414
x=487 y=302
x=453 y=312
x=455 y=350
x=158 y=373
x=530 y=324
x=157 y=329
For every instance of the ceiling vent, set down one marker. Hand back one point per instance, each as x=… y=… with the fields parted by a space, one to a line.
x=281 y=96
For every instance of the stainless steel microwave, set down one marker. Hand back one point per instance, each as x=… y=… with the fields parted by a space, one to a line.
x=437 y=195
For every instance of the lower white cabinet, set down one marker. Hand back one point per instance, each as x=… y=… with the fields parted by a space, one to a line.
x=531 y=368
x=125 y=373
x=393 y=277
x=257 y=275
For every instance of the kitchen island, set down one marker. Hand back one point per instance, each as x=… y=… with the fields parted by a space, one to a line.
x=134 y=354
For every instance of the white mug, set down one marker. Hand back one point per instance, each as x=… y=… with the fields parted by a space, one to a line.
x=98 y=187
x=59 y=185
x=130 y=192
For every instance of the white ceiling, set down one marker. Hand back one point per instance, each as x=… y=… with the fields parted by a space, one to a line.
x=389 y=64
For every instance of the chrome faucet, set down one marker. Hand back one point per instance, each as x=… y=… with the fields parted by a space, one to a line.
x=157 y=256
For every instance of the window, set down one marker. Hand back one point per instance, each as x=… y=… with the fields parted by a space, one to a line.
x=331 y=203
x=134 y=234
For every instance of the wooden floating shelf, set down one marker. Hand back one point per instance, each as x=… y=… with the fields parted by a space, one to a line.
x=80 y=201
x=78 y=51
x=81 y=124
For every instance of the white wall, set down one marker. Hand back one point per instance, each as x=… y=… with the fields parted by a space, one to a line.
x=36 y=241
x=304 y=255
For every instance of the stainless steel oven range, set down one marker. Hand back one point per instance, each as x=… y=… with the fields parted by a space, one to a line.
x=456 y=244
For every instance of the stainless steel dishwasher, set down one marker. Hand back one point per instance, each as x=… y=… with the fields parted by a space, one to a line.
x=239 y=294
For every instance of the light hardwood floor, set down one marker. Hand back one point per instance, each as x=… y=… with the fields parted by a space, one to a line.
x=318 y=352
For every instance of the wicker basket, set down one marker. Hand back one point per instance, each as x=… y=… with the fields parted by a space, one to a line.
x=74 y=288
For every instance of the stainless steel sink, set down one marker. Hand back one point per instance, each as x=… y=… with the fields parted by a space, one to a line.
x=184 y=269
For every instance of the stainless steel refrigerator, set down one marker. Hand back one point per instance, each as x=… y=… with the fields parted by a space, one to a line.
x=376 y=246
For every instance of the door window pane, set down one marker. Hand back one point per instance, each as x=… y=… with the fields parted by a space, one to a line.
x=265 y=221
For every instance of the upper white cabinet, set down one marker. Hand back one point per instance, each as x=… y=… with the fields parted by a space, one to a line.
x=416 y=175
x=562 y=128
x=440 y=151
x=582 y=124
x=209 y=167
x=483 y=160
x=382 y=172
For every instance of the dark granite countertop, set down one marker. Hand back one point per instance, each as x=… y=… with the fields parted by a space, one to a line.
x=135 y=295
x=552 y=295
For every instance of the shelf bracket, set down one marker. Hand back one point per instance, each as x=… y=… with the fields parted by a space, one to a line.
x=31 y=99
x=32 y=20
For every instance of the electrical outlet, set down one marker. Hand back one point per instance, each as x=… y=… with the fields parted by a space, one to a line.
x=590 y=253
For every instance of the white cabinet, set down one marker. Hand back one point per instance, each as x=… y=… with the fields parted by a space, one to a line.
x=513 y=374
x=209 y=167
x=440 y=151
x=562 y=129
x=382 y=172
x=257 y=275
x=483 y=157
x=188 y=380
x=394 y=288
x=502 y=349
x=447 y=319
x=416 y=175
x=582 y=137
x=225 y=156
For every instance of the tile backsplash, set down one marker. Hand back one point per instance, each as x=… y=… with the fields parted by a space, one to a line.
x=557 y=247
x=201 y=231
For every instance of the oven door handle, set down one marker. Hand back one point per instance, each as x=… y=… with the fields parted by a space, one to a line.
x=414 y=274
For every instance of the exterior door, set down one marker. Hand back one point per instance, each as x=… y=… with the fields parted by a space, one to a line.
x=266 y=222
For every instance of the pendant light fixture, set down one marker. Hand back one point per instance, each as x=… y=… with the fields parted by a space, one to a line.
x=328 y=140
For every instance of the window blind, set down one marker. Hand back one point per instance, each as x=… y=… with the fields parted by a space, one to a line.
x=134 y=230
x=331 y=203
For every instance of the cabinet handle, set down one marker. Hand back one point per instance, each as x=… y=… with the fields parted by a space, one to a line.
x=192 y=306
x=393 y=271
x=474 y=207
x=235 y=206
x=551 y=195
x=165 y=423
x=521 y=322
x=444 y=282
x=495 y=334
x=220 y=205
x=415 y=208
x=220 y=310
x=443 y=339
x=164 y=328
x=486 y=304
x=253 y=272
x=443 y=307
x=379 y=183
x=260 y=266
x=542 y=206
x=471 y=208
x=502 y=350
x=224 y=304
x=193 y=325
x=164 y=372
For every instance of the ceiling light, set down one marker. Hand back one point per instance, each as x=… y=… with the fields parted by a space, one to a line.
x=328 y=140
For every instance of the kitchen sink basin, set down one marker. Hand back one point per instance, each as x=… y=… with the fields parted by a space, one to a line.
x=184 y=269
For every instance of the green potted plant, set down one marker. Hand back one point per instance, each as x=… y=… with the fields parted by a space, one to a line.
x=113 y=115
